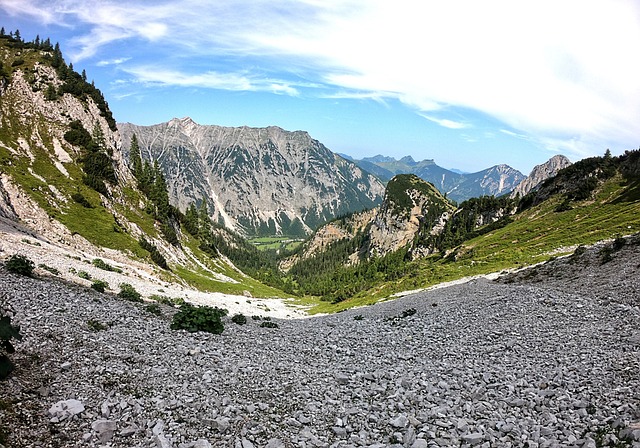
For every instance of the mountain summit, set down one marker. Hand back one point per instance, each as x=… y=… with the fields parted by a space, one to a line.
x=497 y=180
x=258 y=181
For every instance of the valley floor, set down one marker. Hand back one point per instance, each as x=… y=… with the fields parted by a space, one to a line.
x=545 y=357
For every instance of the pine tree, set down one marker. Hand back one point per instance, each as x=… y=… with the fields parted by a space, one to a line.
x=203 y=220
x=191 y=220
x=135 y=159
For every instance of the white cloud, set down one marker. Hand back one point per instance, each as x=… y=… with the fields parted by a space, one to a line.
x=563 y=73
x=445 y=122
x=117 y=61
x=211 y=80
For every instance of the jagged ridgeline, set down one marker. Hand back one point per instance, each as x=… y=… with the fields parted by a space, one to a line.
x=257 y=181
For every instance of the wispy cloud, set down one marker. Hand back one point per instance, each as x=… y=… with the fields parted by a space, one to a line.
x=445 y=122
x=212 y=80
x=117 y=61
x=538 y=67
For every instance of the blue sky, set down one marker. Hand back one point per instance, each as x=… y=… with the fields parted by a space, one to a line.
x=468 y=83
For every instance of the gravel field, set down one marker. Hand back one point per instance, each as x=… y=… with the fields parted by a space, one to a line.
x=545 y=357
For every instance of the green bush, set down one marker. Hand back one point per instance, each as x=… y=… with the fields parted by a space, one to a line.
x=154 y=308
x=96 y=325
x=101 y=264
x=85 y=275
x=80 y=199
x=193 y=318
x=7 y=332
x=128 y=292
x=19 y=264
x=53 y=270
x=239 y=319
x=268 y=324
x=99 y=285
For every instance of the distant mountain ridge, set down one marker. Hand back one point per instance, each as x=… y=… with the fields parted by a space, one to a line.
x=458 y=186
x=258 y=181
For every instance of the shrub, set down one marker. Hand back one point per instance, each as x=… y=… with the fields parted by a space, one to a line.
x=50 y=269
x=101 y=264
x=166 y=300
x=85 y=275
x=193 y=318
x=358 y=317
x=80 y=199
x=156 y=256
x=154 y=308
x=7 y=332
x=128 y=292
x=619 y=243
x=239 y=319
x=19 y=264
x=256 y=317
x=99 y=285
x=96 y=325
x=268 y=324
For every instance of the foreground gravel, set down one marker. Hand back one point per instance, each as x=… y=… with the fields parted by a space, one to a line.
x=542 y=359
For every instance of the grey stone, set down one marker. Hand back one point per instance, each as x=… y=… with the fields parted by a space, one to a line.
x=399 y=421
x=65 y=409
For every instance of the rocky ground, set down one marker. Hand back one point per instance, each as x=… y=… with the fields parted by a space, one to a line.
x=69 y=258
x=540 y=358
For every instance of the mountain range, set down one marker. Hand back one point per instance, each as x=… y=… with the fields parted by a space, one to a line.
x=257 y=181
x=175 y=202
x=496 y=180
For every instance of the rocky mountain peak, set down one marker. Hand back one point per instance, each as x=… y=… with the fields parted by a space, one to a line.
x=540 y=173
x=258 y=181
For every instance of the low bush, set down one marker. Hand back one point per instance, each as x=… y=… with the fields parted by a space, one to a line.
x=268 y=324
x=154 y=308
x=128 y=292
x=96 y=325
x=99 y=285
x=101 y=264
x=193 y=318
x=85 y=275
x=50 y=269
x=239 y=319
x=80 y=199
x=166 y=300
x=20 y=264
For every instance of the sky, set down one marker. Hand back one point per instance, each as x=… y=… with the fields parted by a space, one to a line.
x=468 y=83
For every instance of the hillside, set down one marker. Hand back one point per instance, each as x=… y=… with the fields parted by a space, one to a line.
x=256 y=181
x=66 y=186
x=592 y=200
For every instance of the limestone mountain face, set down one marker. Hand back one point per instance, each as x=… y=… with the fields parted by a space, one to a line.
x=541 y=173
x=494 y=181
x=410 y=206
x=255 y=180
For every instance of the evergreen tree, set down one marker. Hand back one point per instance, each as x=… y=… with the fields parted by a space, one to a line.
x=16 y=35
x=2 y=32
x=204 y=221
x=191 y=220
x=135 y=159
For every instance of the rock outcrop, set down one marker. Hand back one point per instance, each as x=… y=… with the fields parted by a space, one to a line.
x=540 y=173
x=261 y=181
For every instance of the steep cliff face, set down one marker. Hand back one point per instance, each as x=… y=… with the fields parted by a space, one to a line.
x=255 y=180
x=540 y=173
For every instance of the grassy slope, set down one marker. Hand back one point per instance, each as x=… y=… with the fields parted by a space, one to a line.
x=97 y=224
x=535 y=235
